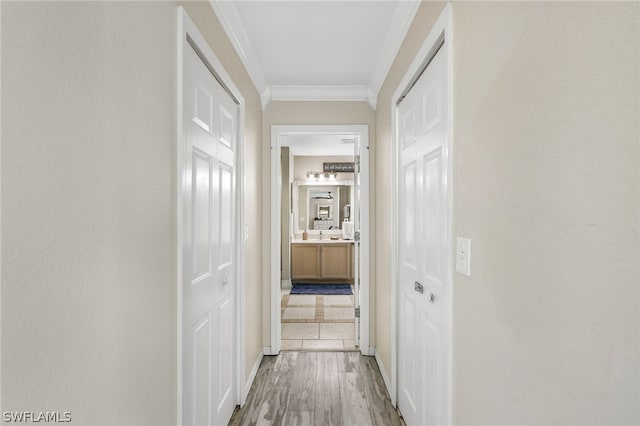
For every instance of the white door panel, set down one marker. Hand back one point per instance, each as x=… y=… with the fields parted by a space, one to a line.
x=210 y=120
x=422 y=253
x=202 y=371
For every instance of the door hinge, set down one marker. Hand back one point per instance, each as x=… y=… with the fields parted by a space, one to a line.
x=358 y=312
x=356 y=236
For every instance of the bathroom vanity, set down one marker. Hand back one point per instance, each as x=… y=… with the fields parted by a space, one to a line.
x=322 y=260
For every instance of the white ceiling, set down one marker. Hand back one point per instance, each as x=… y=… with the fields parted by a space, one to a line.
x=319 y=144
x=317 y=50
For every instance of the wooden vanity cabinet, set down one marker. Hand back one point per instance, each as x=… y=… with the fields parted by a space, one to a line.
x=305 y=261
x=335 y=261
x=322 y=261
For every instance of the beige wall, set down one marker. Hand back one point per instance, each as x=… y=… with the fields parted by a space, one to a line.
x=304 y=163
x=299 y=113
x=546 y=185
x=88 y=207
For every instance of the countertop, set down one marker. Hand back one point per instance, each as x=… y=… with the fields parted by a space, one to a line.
x=322 y=241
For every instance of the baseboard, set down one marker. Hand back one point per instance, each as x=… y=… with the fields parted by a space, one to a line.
x=252 y=377
x=385 y=377
x=285 y=284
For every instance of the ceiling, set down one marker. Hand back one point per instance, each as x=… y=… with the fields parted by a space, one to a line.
x=319 y=144
x=316 y=50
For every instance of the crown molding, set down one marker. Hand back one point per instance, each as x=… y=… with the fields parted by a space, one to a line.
x=400 y=23
x=372 y=97
x=265 y=97
x=320 y=93
x=232 y=24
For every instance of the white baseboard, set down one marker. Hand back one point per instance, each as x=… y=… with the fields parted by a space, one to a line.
x=385 y=377
x=285 y=284
x=267 y=351
x=252 y=376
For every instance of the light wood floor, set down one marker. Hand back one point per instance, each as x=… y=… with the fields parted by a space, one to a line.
x=317 y=388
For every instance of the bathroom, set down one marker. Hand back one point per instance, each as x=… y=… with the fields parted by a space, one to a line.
x=318 y=257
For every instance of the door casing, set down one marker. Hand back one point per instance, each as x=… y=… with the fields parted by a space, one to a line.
x=272 y=227
x=443 y=24
x=185 y=26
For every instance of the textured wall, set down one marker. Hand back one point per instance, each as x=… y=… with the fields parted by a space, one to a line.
x=88 y=207
x=88 y=216
x=546 y=186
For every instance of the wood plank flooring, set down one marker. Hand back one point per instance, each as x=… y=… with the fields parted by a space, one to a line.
x=317 y=388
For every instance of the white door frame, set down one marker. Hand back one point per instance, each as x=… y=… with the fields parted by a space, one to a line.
x=277 y=131
x=186 y=27
x=444 y=24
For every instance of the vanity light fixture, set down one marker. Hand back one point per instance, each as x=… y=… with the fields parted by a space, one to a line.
x=322 y=176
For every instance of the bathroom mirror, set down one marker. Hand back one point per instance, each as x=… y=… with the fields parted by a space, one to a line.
x=321 y=205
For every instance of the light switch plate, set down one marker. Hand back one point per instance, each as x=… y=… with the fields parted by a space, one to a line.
x=463 y=256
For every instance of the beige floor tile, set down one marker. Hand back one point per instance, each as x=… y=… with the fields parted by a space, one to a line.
x=309 y=330
x=299 y=313
x=322 y=344
x=302 y=300
x=337 y=331
x=349 y=344
x=338 y=313
x=290 y=345
x=338 y=300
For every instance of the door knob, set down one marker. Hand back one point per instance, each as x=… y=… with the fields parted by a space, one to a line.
x=432 y=297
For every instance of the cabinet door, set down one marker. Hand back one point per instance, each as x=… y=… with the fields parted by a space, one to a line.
x=336 y=261
x=305 y=261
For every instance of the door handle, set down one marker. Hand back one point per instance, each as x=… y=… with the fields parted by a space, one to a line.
x=432 y=297
x=418 y=287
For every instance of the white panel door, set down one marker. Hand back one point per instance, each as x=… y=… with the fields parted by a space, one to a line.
x=422 y=352
x=210 y=126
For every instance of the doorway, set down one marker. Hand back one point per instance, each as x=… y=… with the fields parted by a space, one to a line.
x=320 y=218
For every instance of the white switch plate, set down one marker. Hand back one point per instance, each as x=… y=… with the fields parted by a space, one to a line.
x=463 y=256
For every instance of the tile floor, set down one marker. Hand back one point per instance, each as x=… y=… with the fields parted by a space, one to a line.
x=317 y=322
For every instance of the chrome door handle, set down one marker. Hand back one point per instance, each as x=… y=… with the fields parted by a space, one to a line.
x=432 y=297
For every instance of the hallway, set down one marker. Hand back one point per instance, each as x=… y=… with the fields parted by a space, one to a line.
x=524 y=294
x=317 y=388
